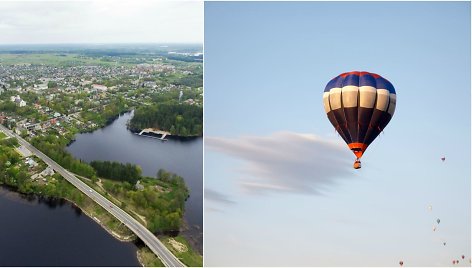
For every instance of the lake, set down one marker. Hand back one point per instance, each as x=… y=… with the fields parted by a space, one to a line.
x=183 y=157
x=37 y=232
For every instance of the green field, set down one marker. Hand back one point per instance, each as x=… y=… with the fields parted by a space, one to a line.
x=2 y=135
x=52 y=59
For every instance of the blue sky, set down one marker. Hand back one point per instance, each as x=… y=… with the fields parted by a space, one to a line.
x=279 y=185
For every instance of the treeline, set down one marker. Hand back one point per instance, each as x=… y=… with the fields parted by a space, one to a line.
x=53 y=146
x=117 y=171
x=178 y=119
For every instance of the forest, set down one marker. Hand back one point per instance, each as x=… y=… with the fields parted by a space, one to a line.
x=117 y=171
x=178 y=119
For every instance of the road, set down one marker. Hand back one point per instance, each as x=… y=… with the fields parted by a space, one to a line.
x=167 y=258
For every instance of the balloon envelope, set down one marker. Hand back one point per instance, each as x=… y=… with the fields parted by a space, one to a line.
x=359 y=105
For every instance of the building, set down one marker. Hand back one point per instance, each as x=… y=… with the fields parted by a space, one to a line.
x=99 y=87
x=47 y=172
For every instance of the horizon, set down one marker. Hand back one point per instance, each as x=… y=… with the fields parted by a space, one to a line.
x=101 y=22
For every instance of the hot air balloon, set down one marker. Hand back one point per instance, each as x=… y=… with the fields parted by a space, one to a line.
x=430 y=207
x=454 y=262
x=463 y=256
x=359 y=105
x=443 y=158
x=401 y=263
x=438 y=221
x=434 y=228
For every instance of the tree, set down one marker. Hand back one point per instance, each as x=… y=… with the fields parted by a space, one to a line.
x=52 y=84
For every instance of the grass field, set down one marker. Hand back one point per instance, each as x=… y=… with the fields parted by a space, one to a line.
x=52 y=59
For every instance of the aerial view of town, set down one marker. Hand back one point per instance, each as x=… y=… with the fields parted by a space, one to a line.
x=110 y=131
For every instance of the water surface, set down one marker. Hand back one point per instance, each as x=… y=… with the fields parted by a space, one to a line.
x=37 y=232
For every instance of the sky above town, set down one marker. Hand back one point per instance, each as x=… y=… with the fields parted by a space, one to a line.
x=279 y=185
x=101 y=21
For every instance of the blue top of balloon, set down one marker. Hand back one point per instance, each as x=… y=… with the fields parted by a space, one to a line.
x=360 y=79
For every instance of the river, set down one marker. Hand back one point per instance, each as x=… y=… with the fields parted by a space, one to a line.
x=36 y=232
x=183 y=157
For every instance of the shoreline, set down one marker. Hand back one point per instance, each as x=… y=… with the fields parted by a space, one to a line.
x=118 y=237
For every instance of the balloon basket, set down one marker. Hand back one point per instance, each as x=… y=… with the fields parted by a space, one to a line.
x=357 y=164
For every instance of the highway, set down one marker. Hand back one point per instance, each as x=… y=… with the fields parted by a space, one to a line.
x=167 y=258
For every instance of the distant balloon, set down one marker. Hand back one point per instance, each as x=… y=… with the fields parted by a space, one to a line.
x=443 y=158
x=401 y=263
x=444 y=243
x=430 y=207
x=438 y=221
x=434 y=228
x=463 y=256
x=359 y=105
x=453 y=262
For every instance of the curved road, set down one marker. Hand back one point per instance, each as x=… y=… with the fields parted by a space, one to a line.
x=167 y=258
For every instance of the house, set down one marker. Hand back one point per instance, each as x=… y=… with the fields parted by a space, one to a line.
x=99 y=87
x=47 y=172
x=16 y=99
x=31 y=163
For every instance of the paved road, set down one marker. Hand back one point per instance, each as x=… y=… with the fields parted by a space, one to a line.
x=167 y=258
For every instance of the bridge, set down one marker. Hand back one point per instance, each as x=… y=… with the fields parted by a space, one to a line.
x=167 y=258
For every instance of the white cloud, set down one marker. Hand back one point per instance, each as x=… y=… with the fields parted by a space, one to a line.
x=286 y=161
x=215 y=196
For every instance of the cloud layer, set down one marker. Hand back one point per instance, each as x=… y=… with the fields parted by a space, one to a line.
x=215 y=196
x=286 y=161
x=107 y=21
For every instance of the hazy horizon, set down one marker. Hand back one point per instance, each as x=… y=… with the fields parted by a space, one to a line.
x=101 y=22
